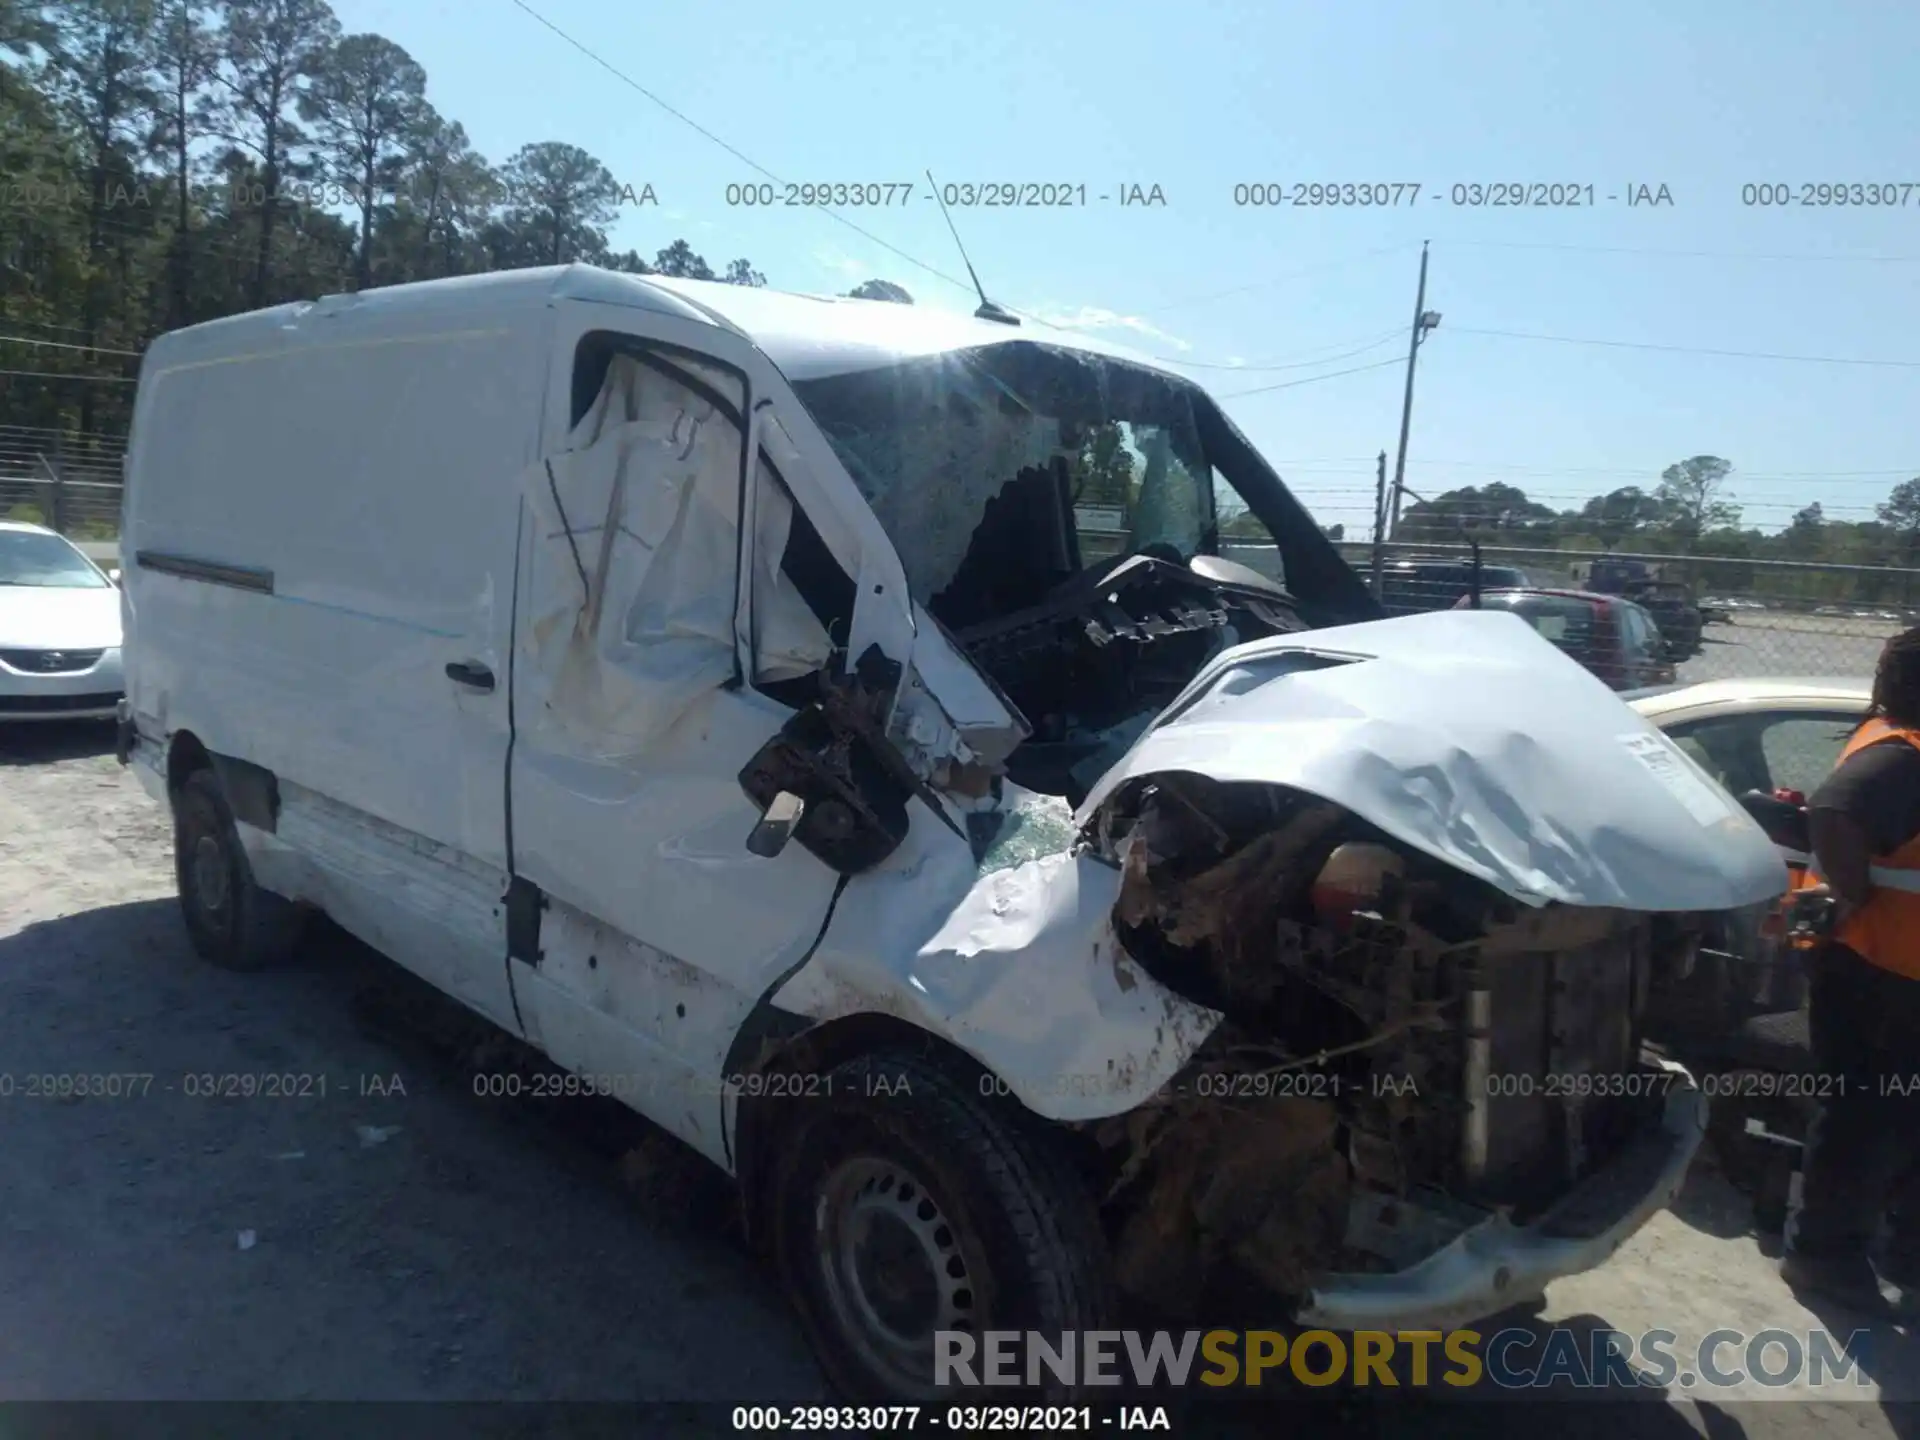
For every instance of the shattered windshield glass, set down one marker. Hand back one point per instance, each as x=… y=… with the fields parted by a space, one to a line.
x=1025 y=460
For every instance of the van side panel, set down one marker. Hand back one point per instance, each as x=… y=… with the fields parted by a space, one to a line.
x=348 y=494
x=322 y=525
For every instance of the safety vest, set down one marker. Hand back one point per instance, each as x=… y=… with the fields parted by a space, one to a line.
x=1886 y=930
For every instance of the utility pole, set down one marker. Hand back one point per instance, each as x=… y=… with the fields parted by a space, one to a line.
x=1423 y=321
x=1379 y=522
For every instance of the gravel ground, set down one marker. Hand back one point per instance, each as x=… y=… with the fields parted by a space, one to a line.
x=1788 y=645
x=427 y=1244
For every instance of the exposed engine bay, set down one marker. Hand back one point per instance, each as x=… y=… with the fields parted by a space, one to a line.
x=1348 y=929
x=1404 y=1048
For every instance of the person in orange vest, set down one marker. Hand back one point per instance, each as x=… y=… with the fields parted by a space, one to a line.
x=1862 y=1157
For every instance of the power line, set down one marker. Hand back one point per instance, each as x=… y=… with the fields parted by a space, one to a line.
x=736 y=153
x=64 y=345
x=43 y=324
x=1687 y=349
x=56 y=375
x=868 y=235
x=1373 y=344
x=1312 y=379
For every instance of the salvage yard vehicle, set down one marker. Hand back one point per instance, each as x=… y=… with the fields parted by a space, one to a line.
x=1767 y=736
x=706 y=685
x=1410 y=586
x=1738 y=1012
x=59 y=629
x=1614 y=638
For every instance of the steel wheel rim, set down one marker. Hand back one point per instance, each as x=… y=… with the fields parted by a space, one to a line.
x=210 y=876
x=892 y=1267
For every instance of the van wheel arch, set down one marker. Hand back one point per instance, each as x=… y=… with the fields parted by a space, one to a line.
x=232 y=921
x=814 y=1051
x=185 y=754
x=761 y=1119
x=988 y=1220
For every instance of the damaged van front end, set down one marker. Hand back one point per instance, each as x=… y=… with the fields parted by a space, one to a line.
x=943 y=777
x=1128 y=913
x=1334 y=983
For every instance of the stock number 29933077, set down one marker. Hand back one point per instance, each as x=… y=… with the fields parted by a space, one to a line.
x=822 y=1419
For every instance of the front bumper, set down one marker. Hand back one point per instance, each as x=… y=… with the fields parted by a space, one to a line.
x=1495 y=1264
x=91 y=693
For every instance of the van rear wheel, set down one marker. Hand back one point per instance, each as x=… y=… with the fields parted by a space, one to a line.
x=232 y=922
x=905 y=1204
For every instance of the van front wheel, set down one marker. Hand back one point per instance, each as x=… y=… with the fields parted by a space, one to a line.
x=232 y=922
x=908 y=1207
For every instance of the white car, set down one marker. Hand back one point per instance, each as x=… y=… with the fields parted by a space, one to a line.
x=709 y=687
x=1762 y=734
x=59 y=629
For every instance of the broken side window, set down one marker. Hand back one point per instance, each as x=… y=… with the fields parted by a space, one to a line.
x=1001 y=472
x=631 y=586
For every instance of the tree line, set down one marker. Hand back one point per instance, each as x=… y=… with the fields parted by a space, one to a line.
x=1686 y=512
x=165 y=162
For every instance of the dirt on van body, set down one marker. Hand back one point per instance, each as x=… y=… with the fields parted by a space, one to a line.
x=298 y=1186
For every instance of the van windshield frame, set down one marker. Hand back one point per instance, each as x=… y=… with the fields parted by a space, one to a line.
x=931 y=441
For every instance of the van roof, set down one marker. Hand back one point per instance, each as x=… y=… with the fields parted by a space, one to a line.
x=807 y=336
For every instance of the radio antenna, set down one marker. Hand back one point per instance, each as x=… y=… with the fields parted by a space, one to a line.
x=988 y=310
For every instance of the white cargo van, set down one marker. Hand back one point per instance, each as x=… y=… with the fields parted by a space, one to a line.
x=834 y=727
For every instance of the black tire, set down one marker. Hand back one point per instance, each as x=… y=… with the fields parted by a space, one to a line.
x=232 y=922
x=971 y=1182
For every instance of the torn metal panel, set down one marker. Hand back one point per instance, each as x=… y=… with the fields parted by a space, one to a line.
x=401 y=892
x=1464 y=735
x=980 y=715
x=1342 y=1116
x=1017 y=966
x=1493 y=1263
x=635 y=1022
x=630 y=600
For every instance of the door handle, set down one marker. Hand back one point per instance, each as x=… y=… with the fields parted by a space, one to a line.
x=470 y=673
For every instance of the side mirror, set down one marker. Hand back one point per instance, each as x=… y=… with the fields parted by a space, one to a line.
x=114 y=575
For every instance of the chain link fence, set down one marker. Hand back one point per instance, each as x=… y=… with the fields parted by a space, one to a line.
x=1716 y=617
x=63 y=479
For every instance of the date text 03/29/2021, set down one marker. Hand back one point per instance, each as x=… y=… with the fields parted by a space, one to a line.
x=952 y=194
x=1470 y=195
x=198 y=1085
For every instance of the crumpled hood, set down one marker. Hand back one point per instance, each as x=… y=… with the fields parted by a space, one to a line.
x=1466 y=735
x=59 y=617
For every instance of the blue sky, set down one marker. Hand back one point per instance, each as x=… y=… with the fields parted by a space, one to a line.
x=1703 y=98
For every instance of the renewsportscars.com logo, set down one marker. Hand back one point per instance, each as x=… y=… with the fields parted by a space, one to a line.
x=1518 y=1358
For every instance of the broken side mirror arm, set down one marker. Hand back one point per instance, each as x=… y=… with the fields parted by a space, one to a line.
x=833 y=780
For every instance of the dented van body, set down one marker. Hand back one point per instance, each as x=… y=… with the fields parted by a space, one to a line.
x=843 y=729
